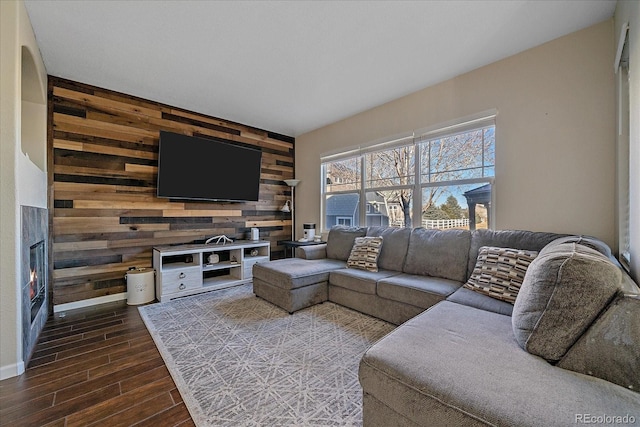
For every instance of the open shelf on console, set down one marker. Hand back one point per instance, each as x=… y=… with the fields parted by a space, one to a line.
x=180 y=261
x=224 y=275
x=219 y=282
x=220 y=265
x=256 y=252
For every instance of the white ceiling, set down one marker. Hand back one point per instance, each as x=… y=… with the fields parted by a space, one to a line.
x=290 y=67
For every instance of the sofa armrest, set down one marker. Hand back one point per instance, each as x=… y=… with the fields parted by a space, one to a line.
x=312 y=252
x=628 y=285
x=609 y=349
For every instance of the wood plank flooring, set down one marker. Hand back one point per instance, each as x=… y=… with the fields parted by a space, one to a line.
x=94 y=366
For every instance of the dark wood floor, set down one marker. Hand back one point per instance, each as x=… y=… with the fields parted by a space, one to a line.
x=94 y=366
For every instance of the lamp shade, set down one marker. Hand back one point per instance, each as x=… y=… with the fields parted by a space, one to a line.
x=291 y=182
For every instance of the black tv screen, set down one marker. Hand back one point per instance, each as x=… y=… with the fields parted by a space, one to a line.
x=204 y=169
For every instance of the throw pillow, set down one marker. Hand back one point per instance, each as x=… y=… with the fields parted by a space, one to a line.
x=499 y=272
x=365 y=252
x=565 y=290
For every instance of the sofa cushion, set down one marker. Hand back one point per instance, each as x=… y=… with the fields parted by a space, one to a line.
x=358 y=280
x=454 y=364
x=438 y=253
x=292 y=273
x=365 y=252
x=340 y=241
x=390 y=311
x=517 y=239
x=394 y=249
x=421 y=291
x=565 y=289
x=499 y=272
x=610 y=349
x=473 y=299
x=588 y=241
x=291 y=299
x=312 y=251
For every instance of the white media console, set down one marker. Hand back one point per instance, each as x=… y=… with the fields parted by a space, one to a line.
x=185 y=269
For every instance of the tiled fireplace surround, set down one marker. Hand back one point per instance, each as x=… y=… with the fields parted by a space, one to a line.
x=34 y=231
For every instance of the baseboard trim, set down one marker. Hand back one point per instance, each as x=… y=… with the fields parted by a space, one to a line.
x=89 y=302
x=12 y=370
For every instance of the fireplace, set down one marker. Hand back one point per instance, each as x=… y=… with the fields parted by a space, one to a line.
x=37 y=282
x=34 y=272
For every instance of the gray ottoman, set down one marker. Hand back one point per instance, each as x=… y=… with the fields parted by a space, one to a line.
x=293 y=284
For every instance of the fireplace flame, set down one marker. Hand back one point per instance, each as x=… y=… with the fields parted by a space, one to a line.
x=33 y=284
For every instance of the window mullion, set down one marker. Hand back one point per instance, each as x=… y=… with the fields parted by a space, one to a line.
x=417 y=191
x=488 y=180
x=483 y=162
x=363 y=195
x=429 y=160
x=323 y=196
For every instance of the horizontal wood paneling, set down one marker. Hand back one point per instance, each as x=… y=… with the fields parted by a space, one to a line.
x=106 y=218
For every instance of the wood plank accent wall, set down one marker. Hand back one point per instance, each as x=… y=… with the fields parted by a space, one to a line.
x=106 y=217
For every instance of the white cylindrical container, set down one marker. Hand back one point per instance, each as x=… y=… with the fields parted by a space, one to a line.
x=140 y=286
x=255 y=233
x=309 y=231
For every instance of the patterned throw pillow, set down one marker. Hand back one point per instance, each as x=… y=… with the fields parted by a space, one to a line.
x=499 y=272
x=365 y=252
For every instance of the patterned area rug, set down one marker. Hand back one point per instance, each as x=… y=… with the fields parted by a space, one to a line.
x=241 y=361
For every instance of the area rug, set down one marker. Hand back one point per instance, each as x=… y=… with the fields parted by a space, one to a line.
x=238 y=360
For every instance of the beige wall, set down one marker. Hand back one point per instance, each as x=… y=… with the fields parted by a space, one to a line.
x=629 y=11
x=21 y=181
x=555 y=134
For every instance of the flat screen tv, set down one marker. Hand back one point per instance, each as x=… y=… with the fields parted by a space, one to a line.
x=203 y=169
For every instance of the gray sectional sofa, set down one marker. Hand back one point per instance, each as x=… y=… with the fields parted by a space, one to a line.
x=566 y=352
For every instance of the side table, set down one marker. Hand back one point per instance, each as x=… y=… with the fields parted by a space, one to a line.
x=292 y=245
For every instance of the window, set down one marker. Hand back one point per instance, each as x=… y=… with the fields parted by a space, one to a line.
x=443 y=177
x=342 y=192
x=456 y=176
x=624 y=131
x=343 y=220
x=390 y=179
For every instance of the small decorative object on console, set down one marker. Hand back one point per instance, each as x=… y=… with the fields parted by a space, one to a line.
x=255 y=233
x=254 y=252
x=219 y=239
x=214 y=259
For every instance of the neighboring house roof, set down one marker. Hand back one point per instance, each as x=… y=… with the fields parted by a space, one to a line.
x=479 y=195
x=375 y=197
x=347 y=204
x=377 y=200
x=342 y=204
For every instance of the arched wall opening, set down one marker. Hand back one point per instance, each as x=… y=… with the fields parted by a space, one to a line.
x=33 y=127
